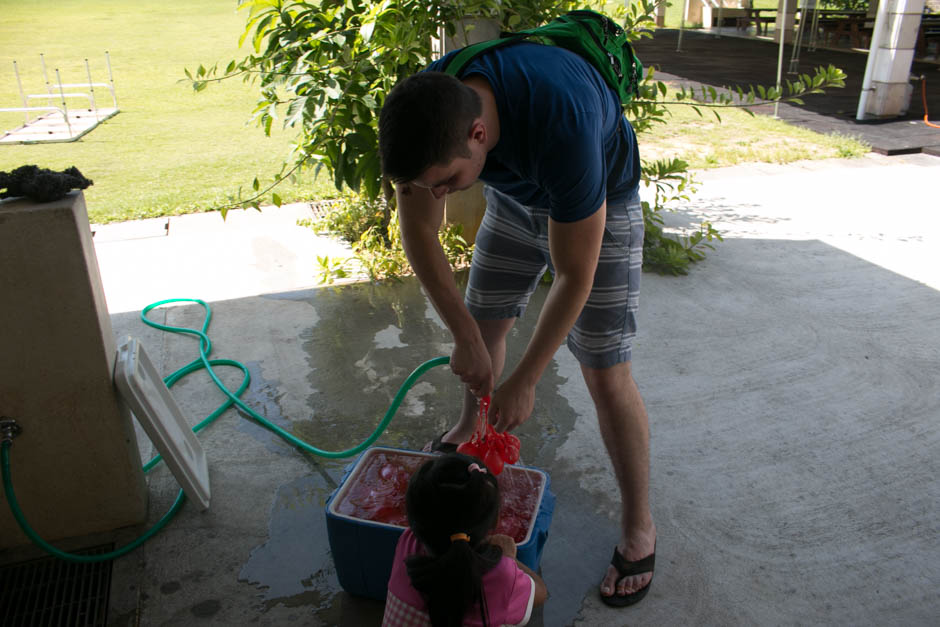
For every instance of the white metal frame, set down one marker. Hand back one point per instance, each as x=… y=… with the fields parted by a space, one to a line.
x=61 y=109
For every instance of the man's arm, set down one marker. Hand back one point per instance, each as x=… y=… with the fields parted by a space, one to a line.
x=420 y=215
x=575 y=249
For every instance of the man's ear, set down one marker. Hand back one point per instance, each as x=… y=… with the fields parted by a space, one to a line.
x=478 y=131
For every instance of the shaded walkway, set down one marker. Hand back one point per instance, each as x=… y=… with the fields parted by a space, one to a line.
x=739 y=61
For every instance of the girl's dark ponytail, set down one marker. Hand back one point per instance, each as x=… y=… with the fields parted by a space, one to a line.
x=450 y=582
x=448 y=499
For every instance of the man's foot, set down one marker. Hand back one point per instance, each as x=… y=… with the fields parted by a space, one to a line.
x=438 y=445
x=446 y=442
x=630 y=572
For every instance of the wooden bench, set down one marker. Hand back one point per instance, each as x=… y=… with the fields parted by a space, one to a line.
x=929 y=31
x=760 y=22
x=852 y=26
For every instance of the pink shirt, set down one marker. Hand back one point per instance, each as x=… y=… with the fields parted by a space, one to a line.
x=509 y=592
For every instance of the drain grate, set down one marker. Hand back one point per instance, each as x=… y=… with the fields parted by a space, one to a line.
x=53 y=592
x=322 y=208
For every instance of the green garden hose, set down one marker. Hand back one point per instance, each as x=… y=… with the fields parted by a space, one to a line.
x=72 y=557
x=232 y=398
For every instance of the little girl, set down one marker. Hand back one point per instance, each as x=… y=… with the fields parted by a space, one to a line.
x=447 y=570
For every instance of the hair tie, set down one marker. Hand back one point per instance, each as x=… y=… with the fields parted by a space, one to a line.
x=476 y=466
x=459 y=536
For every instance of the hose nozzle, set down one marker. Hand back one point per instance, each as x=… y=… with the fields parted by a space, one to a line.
x=9 y=429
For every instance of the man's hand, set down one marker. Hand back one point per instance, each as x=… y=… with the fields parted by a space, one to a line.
x=511 y=404
x=471 y=362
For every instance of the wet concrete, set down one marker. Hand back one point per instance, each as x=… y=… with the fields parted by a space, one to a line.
x=790 y=381
x=354 y=367
x=282 y=566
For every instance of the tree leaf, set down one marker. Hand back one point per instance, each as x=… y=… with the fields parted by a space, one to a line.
x=366 y=30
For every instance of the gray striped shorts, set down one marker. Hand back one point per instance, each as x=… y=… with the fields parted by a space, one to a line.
x=511 y=254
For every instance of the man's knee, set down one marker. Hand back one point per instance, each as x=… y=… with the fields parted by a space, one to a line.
x=494 y=331
x=604 y=383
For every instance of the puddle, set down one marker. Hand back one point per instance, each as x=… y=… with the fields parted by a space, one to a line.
x=368 y=340
x=294 y=566
x=389 y=337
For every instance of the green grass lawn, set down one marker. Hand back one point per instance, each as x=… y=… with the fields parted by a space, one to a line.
x=704 y=142
x=169 y=150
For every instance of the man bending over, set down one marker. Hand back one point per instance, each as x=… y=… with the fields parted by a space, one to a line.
x=540 y=127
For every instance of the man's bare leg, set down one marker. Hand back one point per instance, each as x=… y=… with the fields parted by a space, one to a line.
x=494 y=334
x=624 y=427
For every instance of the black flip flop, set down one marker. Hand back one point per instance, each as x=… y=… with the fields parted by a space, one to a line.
x=628 y=569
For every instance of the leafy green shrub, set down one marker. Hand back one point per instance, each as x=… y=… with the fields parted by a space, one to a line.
x=671 y=254
x=349 y=218
x=377 y=248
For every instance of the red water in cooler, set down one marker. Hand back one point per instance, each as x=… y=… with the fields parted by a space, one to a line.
x=378 y=494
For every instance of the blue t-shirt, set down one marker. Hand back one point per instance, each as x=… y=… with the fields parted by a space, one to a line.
x=564 y=143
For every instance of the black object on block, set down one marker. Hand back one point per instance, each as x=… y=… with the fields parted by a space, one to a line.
x=41 y=184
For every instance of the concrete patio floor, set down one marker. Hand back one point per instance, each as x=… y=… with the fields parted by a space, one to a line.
x=791 y=382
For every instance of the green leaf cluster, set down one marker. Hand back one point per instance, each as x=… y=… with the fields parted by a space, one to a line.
x=376 y=242
x=662 y=252
x=743 y=97
x=845 y=5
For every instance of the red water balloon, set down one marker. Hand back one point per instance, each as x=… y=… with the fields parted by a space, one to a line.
x=492 y=448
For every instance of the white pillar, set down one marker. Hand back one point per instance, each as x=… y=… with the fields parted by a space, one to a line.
x=786 y=18
x=886 y=88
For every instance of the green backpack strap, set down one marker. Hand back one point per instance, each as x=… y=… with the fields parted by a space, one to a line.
x=593 y=36
x=460 y=60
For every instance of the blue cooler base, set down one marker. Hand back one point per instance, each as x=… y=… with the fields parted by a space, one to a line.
x=363 y=550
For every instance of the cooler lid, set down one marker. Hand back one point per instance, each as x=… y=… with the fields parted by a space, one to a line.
x=140 y=386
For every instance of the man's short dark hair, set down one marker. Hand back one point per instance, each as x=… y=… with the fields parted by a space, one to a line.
x=425 y=121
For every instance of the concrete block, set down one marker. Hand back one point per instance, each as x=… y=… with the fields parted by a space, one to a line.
x=76 y=467
x=467 y=208
x=471 y=31
x=889 y=99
